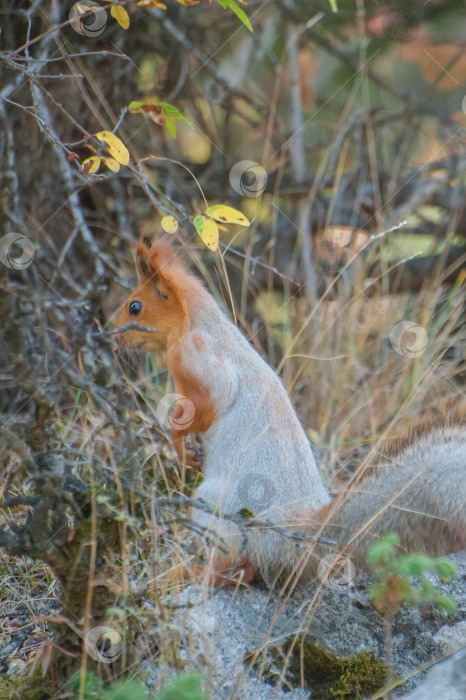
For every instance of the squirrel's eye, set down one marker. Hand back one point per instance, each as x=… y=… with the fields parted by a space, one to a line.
x=135 y=308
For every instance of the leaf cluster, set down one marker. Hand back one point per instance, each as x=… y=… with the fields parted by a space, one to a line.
x=402 y=579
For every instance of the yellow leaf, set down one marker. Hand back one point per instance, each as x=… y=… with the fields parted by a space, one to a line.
x=91 y=165
x=188 y=3
x=153 y=3
x=169 y=224
x=227 y=215
x=122 y=17
x=207 y=230
x=111 y=164
x=115 y=146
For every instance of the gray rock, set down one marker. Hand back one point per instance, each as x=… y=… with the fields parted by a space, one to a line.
x=446 y=680
x=451 y=637
x=219 y=626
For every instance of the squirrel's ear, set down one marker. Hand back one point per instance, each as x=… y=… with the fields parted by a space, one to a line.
x=157 y=262
x=144 y=262
x=163 y=259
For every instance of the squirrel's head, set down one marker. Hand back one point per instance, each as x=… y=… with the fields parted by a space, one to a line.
x=157 y=301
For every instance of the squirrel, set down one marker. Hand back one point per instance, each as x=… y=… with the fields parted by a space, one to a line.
x=257 y=457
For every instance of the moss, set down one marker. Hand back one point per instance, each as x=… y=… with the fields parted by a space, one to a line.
x=324 y=673
x=24 y=688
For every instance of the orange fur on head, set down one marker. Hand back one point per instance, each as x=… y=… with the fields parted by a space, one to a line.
x=160 y=294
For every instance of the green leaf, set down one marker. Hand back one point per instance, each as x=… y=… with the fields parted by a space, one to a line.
x=414 y=564
x=427 y=588
x=242 y=16
x=184 y=687
x=381 y=554
x=171 y=126
x=405 y=590
x=445 y=568
x=377 y=591
x=172 y=111
x=135 y=107
x=333 y=5
x=443 y=602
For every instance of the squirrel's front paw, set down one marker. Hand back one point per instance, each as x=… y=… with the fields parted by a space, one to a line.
x=194 y=454
x=193 y=458
x=190 y=453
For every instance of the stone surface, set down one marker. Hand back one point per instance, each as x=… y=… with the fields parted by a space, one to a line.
x=219 y=626
x=446 y=680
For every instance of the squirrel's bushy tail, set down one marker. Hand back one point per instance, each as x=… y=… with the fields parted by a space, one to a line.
x=415 y=486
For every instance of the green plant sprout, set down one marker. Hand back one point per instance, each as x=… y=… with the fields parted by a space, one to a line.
x=402 y=581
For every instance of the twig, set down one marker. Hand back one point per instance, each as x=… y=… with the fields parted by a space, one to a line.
x=65 y=169
x=241 y=520
x=298 y=162
x=19 y=501
x=132 y=326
